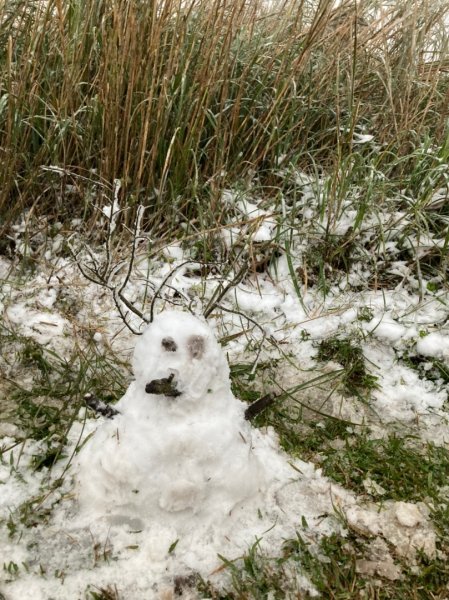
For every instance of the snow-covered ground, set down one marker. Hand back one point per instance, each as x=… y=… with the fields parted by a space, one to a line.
x=208 y=483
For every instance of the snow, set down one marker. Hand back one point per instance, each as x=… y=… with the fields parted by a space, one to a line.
x=174 y=457
x=111 y=211
x=261 y=225
x=403 y=524
x=185 y=469
x=42 y=326
x=257 y=300
x=434 y=344
x=189 y=469
x=361 y=138
x=388 y=330
x=138 y=538
x=403 y=395
x=408 y=514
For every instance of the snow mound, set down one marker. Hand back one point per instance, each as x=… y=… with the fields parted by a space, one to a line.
x=434 y=344
x=179 y=472
x=180 y=446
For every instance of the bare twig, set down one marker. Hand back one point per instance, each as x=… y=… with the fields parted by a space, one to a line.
x=103 y=275
x=221 y=291
x=123 y=315
x=136 y=237
x=167 y=278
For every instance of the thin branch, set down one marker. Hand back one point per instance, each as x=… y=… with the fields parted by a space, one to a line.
x=170 y=274
x=136 y=237
x=124 y=316
x=97 y=280
x=214 y=301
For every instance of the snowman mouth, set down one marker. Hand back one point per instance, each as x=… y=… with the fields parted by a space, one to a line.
x=163 y=387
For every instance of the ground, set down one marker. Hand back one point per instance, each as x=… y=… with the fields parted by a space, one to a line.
x=349 y=332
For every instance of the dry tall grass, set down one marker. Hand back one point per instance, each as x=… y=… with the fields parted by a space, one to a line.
x=177 y=98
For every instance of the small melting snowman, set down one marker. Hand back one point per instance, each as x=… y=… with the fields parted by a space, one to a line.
x=180 y=445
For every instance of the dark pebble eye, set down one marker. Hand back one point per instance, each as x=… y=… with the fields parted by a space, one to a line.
x=169 y=344
x=195 y=345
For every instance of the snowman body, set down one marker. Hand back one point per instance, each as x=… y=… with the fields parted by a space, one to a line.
x=185 y=449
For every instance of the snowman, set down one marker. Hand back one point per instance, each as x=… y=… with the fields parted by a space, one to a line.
x=179 y=445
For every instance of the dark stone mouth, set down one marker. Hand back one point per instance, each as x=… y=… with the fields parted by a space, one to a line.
x=163 y=387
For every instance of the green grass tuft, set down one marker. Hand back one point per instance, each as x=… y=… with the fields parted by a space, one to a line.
x=355 y=378
x=406 y=473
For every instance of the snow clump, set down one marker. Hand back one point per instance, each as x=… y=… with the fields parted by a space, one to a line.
x=180 y=445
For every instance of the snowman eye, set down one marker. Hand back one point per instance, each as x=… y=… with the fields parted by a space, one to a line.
x=169 y=344
x=195 y=346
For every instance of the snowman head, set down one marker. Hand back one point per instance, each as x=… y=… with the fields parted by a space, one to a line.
x=178 y=357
